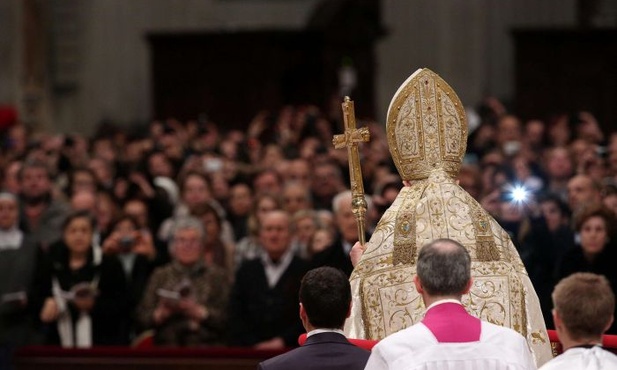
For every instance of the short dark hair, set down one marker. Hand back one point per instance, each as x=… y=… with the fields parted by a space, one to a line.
x=586 y=303
x=444 y=267
x=34 y=163
x=325 y=294
x=595 y=210
x=79 y=214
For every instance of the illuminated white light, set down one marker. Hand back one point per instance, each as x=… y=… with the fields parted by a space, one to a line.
x=519 y=194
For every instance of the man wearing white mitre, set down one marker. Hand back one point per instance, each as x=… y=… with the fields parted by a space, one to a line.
x=427 y=136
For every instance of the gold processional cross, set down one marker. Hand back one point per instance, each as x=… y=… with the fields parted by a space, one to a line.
x=350 y=139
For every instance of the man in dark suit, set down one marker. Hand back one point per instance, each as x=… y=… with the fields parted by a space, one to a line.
x=325 y=303
x=264 y=299
x=337 y=254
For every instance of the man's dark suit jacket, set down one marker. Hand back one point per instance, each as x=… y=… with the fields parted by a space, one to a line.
x=335 y=256
x=258 y=312
x=324 y=351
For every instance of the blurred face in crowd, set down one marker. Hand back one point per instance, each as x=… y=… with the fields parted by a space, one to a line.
x=267 y=182
x=11 y=177
x=187 y=246
x=508 y=130
x=534 y=132
x=125 y=228
x=240 y=199
x=195 y=191
x=296 y=197
x=102 y=170
x=159 y=165
x=581 y=191
x=83 y=181
x=78 y=235
x=326 y=180
x=134 y=151
x=35 y=182
x=138 y=210
x=559 y=164
x=106 y=210
x=588 y=128
x=594 y=235
x=321 y=240
x=103 y=148
x=552 y=215
x=8 y=213
x=610 y=202
x=212 y=227
x=265 y=205
x=84 y=201
x=18 y=139
x=305 y=228
x=346 y=221
x=273 y=154
x=220 y=186
x=274 y=234
x=299 y=171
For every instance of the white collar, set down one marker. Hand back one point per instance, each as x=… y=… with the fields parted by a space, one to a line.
x=319 y=331
x=11 y=238
x=442 y=301
x=346 y=247
x=275 y=271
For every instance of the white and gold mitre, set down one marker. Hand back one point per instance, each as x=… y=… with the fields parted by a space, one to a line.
x=427 y=134
x=426 y=127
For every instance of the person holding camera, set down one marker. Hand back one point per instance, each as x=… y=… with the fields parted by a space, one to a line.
x=136 y=252
x=185 y=301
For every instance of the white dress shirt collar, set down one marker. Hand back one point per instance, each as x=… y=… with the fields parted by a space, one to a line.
x=274 y=271
x=321 y=330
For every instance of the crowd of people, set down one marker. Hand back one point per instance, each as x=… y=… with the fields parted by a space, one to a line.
x=203 y=234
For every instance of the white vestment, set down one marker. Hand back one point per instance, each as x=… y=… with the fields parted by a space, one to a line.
x=594 y=358
x=416 y=348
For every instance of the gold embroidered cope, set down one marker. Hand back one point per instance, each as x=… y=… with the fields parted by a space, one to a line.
x=427 y=135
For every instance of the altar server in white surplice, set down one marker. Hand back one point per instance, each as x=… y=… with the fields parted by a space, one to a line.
x=583 y=310
x=448 y=337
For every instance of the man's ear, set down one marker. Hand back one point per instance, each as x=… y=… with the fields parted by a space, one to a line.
x=557 y=319
x=416 y=281
x=468 y=286
x=349 y=310
x=303 y=316
x=610 y=322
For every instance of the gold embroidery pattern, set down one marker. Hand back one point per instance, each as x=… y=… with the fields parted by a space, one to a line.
x=427 y=132
x=404 y=246
x=426 y=127
x=391 y=303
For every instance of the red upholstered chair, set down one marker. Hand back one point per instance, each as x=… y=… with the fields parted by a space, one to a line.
x=367 y=344
x=608 y=341
x=144 y=340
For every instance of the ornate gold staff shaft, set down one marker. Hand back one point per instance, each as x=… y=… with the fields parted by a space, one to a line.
x=350 y=139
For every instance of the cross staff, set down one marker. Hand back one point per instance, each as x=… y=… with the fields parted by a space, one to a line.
x=350 y=139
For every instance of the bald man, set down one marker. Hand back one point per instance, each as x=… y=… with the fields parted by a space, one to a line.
x=582 y=191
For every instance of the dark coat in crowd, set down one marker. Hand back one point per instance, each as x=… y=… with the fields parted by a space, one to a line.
x=110 y=312
x=16 y=276
x=574 y=261
x=260 y=313
x=335 y=256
